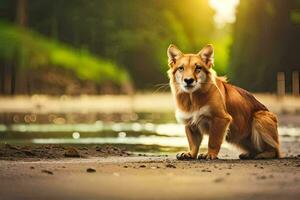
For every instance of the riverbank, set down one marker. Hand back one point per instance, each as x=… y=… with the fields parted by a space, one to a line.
x=114 y=173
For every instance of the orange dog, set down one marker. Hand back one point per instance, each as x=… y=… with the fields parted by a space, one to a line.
x=207 y=104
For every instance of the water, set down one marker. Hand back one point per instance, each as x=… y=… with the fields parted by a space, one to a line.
x=101 y=132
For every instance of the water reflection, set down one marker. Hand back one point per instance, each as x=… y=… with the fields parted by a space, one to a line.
x=100 y=132
x=170 y=129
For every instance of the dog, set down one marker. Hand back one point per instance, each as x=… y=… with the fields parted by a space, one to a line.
x=208 y=104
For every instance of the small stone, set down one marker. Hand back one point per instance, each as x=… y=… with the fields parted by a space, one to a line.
x=72 y=152
x=218 y=180
x=227 y=174
x=90 y=170
x=170 y=166
x=47 y=172
x=125 y=166
x=31 y=167
x=142 y=166
x=206 y=170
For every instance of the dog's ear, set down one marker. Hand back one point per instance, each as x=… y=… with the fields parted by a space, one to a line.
x=207 y=55
x=173 y=54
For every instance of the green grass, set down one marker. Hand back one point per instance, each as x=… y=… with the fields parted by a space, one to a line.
x=33 y=50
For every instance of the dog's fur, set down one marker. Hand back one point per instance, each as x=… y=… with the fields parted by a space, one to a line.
x=210 y=105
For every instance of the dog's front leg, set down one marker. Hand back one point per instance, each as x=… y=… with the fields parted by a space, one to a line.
x=194 y=139
x=217 y=132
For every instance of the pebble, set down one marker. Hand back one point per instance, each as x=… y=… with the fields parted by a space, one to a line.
x=47 y=172
x=205 y=170
x=142 y=166
x=90 y=170
x=170 y=166
x=72 y=152
x=218 y=180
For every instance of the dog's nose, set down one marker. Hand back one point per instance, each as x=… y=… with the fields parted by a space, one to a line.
x=188 y=81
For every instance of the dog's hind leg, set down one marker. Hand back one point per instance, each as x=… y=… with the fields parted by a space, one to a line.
x=264 y=135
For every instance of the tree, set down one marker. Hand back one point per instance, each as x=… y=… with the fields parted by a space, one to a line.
x=266 y=39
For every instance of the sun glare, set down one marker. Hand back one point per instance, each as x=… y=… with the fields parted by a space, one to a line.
x=225 y=11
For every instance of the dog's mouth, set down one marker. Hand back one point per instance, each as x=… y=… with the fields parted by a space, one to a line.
x=188 y=87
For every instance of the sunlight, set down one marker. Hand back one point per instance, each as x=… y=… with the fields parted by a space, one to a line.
x=225 y=11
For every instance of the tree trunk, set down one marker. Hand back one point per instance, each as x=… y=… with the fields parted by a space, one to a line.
x=22 y=17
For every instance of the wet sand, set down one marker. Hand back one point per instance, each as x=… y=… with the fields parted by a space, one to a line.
x=113 y=173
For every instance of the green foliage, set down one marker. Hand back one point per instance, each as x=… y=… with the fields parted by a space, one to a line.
x=222 y=41
x=35 y=51
x=133 y=33
x=295 y=16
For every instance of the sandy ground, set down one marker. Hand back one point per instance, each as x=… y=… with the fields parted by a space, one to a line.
x=112 y=173
x=150 y=178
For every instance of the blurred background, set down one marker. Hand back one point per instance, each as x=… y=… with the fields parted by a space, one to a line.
x=95 y=71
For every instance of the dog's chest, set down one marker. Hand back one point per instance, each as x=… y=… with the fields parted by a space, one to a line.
x=193 y=117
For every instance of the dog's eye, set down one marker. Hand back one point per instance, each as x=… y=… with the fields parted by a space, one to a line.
x=198 y=68
x=181 y=68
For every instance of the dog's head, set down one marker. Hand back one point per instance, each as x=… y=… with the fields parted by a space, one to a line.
x=189 y=71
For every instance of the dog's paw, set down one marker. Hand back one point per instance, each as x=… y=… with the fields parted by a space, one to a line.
x=184 y=156
x=246 y=156
x=208 y=156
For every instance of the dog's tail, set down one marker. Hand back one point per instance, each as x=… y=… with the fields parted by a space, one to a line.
x=265 y=134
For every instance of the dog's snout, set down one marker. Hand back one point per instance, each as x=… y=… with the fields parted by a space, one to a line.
x=188 y=81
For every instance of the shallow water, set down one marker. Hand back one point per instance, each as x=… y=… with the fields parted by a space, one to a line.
x=100 y=132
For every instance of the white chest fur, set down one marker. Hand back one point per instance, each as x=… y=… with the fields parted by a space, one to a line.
x=194 y=117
